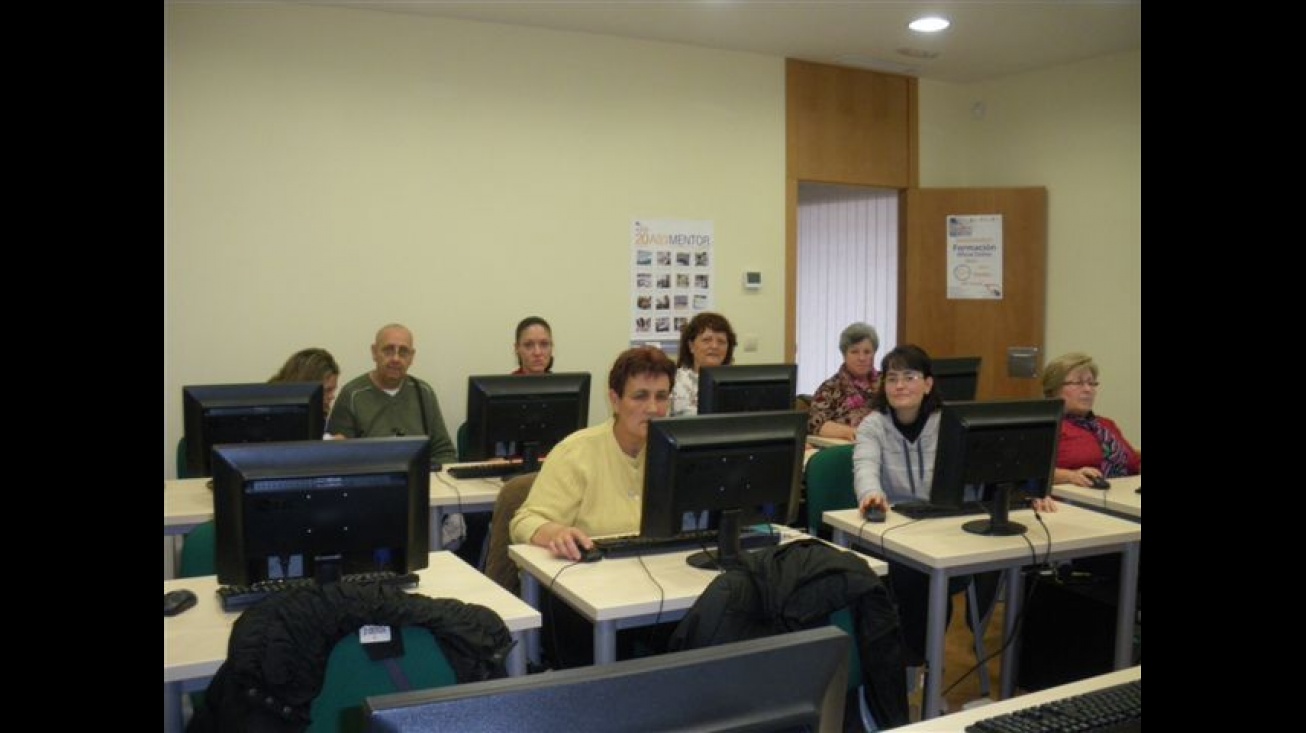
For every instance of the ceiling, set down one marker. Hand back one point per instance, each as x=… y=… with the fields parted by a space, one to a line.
x=988 y=38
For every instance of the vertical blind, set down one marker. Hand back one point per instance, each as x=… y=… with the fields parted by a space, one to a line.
x=847 y=272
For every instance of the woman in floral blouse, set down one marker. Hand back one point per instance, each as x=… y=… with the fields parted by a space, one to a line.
x=844 y=399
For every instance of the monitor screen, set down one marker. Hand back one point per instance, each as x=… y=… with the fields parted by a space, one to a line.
x=321 y=508
x=524 y=415
x=957 y=378
x=259 y=412
x=1000 y=446
x=795 y=682
x=740 y=468
x=749 y=388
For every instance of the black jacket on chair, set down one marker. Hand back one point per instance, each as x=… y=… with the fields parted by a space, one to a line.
x=797 y=586
x=278 y=651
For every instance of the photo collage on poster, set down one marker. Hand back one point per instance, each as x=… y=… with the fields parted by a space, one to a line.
x=672 y=278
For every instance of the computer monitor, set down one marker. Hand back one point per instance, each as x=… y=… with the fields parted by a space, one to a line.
x=258 y=412
x=1001 y=446
x=747 y=388
x=321 y=508
x=957 y=378
x=740 y=468
x=524 y=415
x=792 y=681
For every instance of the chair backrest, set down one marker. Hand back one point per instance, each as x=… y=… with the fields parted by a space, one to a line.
x=352 y=676
x=829 y=477
x=198 y=551
x=461 y=442
x=183 y=471
x=498 y=567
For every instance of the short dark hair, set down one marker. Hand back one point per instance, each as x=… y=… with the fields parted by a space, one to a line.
x=706 y=321
x=901 y=358
x=638 y=361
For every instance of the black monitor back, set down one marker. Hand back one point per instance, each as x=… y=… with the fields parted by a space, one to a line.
x=256 y=412
x=510 y=413
x=747 y=388
x=789 y=682
x=957 y=378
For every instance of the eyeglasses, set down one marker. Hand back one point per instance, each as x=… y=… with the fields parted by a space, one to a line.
x=402 y=351
x=1082 y=383
x=906 y=378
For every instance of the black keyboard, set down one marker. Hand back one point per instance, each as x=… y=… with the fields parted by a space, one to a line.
x=484 y=470
x=926 y=510
x=1114 y=709
x=632 y=545
x=236 y=597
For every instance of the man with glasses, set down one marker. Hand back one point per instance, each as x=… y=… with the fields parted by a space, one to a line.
x=388 y=402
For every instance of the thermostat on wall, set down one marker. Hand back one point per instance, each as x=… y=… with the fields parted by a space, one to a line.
x=753 y=280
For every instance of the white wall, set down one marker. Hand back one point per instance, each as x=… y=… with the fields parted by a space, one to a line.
x=1077 y=130
x=329 y=170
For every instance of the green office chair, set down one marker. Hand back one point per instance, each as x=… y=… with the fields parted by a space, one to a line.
x=351 y=676
x=182 y=470
x=197 y=552
x=829 y=478
x=461 y=442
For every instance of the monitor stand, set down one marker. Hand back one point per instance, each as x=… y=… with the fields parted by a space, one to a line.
x=530 y=457
x=326 y=569
x=728 y=552
x=997 y=525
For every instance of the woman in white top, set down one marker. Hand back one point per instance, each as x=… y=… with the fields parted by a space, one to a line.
x=706 y=341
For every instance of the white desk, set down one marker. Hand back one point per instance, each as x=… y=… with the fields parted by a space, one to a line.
x=620 y=594
x=819 y=442
x=189 y=502
x=195 y=641
x=942 y=549
x=957 y=722
x=1119 y=500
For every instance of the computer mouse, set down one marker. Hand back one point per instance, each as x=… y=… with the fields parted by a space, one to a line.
x=593 y=554
x=873 y=514
x=176 y=601
x=1097 y=482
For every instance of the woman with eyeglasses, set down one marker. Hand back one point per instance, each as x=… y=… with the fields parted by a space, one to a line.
x=1092 y=447
x=893 y=461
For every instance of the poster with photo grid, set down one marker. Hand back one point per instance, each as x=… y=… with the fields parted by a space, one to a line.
x=671 y=278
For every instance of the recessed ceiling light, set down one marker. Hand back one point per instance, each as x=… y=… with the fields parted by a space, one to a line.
x=929 y=24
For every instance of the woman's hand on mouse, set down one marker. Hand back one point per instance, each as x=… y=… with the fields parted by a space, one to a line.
x=562 y=541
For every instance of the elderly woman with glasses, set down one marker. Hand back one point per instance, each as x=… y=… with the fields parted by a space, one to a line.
x=1092 y=447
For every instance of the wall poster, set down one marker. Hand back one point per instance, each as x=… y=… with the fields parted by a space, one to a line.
x=671 y=279
x=975 y=257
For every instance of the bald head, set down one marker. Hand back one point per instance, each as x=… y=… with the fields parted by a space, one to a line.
x=393 y=353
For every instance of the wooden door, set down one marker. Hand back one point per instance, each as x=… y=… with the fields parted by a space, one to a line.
x=985 y=328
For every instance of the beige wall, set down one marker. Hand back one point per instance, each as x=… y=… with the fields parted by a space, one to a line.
x=1077 y=130
x=328 y=170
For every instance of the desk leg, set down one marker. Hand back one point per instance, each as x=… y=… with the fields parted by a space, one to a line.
x=172 y=713
x=437 y=529
x=1125 y=610
x=1015 y=594
x=530 y=593
x=171 y=556
x=839 y=537
x=605 y=642
x=934 y=638
x=517 y=657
